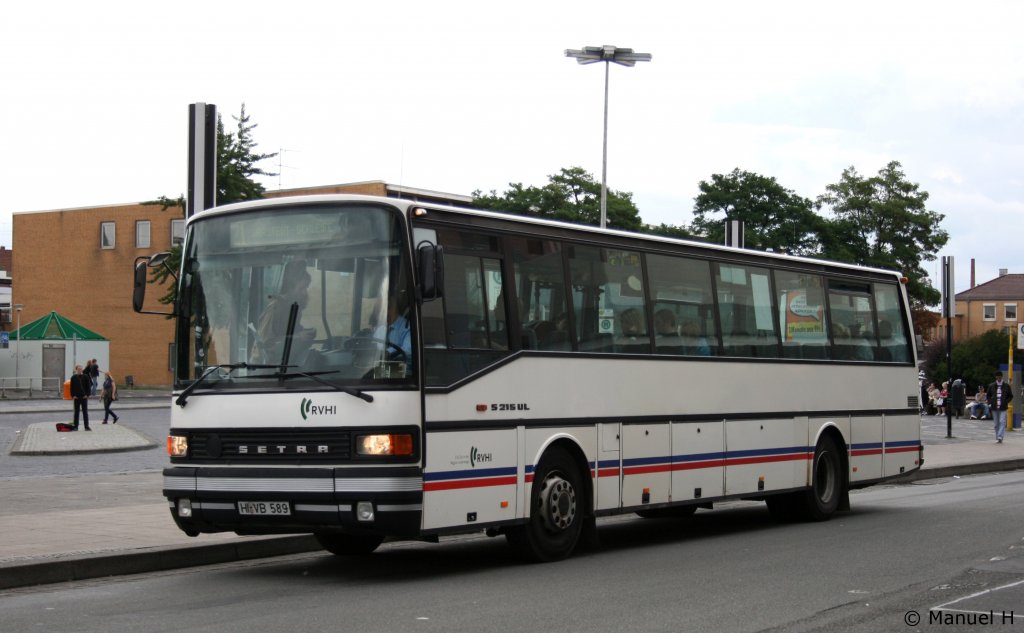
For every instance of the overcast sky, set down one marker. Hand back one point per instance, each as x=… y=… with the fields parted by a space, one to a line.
x=459 y=96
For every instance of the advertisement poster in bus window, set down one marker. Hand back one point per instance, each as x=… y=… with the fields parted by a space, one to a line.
x=802 y=320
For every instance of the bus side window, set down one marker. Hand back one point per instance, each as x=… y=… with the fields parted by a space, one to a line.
x=540 y=294
x=681 y=292
x=747 y=311
x=608 y=299
x=892 y=336
x=802 y=316
x=852 y=321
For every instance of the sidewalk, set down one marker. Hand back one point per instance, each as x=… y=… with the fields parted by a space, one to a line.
x=70 y=528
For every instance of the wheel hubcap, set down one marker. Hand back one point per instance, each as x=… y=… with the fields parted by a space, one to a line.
x=558 y=503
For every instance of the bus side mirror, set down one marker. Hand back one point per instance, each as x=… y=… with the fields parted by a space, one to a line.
x=431 y=270
x=141 y=278
x=139 y=288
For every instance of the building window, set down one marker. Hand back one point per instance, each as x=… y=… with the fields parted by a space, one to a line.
x=177 y=232
x=107 y=234
x=142 y=230
x=1009 y=311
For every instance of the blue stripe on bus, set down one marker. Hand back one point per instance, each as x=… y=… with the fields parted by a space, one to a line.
x=865 y=445
x=698 y=457
x=468 y=474
x=765 y=452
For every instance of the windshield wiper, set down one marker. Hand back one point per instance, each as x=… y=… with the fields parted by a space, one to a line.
x=312 y=375
x=183 y=396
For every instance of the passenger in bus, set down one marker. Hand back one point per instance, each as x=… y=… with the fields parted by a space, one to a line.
x=272 y=326
x=665 y=323
x=696 y=344
x=631 y=323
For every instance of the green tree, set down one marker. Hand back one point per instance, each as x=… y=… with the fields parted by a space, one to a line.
x=669 y=230
x=975 y=359
x=237 y=163
x=883 y=221
x=572 y=195
x=774 y=217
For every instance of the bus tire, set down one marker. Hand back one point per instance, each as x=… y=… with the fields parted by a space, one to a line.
x=349 y=544
x=557 y=507
x=828 y=485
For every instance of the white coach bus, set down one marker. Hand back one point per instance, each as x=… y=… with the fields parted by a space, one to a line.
x=365 y=368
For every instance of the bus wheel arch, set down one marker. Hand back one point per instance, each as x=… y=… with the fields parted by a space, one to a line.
x=559 y=503
x=829 y=487
x=829 y=481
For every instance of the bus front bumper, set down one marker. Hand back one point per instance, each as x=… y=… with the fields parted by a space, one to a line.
x=385 y=500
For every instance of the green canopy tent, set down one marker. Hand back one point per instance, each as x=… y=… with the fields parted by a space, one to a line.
x=55 y=327
x=48 y=350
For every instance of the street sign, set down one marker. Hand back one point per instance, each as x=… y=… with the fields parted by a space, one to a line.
x=1020 y=336
x=5 y=340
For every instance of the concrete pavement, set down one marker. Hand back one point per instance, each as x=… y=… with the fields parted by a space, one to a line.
x=59 y=529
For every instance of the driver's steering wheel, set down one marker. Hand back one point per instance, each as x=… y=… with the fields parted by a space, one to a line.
x=366 y=343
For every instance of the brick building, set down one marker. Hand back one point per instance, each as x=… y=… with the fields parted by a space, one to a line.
x=79 y=262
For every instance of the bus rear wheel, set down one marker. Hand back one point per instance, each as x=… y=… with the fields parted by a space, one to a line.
x=822 y=499
x=557 y=506
x=349 y=544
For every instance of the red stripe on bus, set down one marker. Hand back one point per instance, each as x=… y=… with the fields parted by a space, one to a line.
x=902 y=449
x=866 y=451
x=642 y=470
x=769 y=458
x=456 y=484
x=715 y=463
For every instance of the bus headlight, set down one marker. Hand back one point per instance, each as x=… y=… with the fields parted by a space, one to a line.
x=384 y=444
x=177 y=445
x=364 y=511
x=185 y=508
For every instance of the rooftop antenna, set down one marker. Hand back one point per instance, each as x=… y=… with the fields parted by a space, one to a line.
x=281 y=166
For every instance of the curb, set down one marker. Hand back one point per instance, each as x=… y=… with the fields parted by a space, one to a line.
x=151 y=560
x=977 y=468
x=12 y=409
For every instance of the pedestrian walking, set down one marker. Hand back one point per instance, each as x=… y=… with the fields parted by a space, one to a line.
x=80 y=386
x=999 y=397
x=109 y=394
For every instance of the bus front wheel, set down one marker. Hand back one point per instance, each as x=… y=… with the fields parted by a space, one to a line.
x=557 y=506
x=349 y=544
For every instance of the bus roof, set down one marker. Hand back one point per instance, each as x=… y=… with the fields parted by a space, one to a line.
x=407 y=205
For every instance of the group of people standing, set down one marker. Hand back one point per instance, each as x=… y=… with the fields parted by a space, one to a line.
x=992 y=400
x=84 y=383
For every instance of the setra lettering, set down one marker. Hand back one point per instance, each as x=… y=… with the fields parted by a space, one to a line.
x=284 y=449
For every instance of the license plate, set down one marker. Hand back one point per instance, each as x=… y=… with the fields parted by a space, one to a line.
x=264 y=508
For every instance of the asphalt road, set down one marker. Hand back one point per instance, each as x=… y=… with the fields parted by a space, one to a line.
x=903 y=550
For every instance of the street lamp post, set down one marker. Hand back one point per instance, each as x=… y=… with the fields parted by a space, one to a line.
x=17 y=349
x=606 y=54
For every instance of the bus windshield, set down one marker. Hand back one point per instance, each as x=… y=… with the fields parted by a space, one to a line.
x=303 y=296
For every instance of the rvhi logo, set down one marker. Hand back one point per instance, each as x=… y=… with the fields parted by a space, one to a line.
x=306 y=407
x=476 y=456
